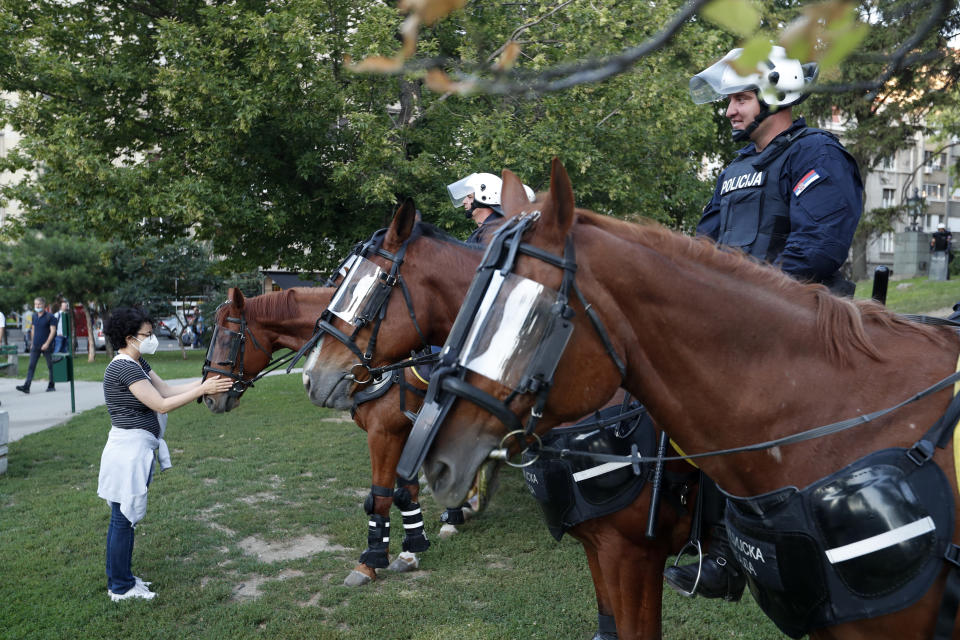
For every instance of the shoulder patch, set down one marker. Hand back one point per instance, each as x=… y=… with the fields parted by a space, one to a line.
x=811 y=177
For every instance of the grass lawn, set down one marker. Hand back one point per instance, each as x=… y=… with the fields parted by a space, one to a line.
x=170 y=365
x=915 y=295
x=252 y=532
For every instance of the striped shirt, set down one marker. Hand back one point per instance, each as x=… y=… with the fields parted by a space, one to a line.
x=126 y=412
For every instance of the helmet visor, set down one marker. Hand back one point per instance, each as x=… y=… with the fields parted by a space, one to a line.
x=720 y=80
x=356 y=290
x=510 y=323
x=460 y=190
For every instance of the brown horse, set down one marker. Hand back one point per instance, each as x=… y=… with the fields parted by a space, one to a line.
x=286 y=320
x=625 y=565
x=726 y=353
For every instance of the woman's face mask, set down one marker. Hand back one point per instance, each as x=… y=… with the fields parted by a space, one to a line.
x=148 y=346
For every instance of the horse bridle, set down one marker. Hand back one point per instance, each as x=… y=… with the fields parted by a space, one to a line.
x=235 y=355
x=448 y=382
x=373 y=313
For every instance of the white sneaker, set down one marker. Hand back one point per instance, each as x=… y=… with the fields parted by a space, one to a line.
x=139 y=590
x=143 y=582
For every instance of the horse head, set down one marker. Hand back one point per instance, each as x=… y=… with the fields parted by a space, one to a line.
x=248 y=332
x=227 y=353
x=538 y=300
x=398 y=292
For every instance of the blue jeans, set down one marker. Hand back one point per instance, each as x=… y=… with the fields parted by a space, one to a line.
x=60 y=344
x=34 y=357
x=119 y=551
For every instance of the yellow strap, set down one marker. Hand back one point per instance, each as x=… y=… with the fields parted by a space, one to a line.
x=956 y=434
x=680 y=451
x=420 y=378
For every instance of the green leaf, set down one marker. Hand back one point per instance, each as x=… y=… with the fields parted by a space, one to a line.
x=843 y=45
x=755 y=50
x=737 y=16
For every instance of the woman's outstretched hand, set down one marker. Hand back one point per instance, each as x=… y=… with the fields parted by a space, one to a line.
x=215 y=385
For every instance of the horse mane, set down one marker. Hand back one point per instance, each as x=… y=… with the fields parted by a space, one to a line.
x=841 y=322
x=275 y=304
x=428 y=230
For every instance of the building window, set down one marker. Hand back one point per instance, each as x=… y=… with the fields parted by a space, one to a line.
x=889 y=197
x=886 y=242
x=933 y=191
x=934 y=161
x=887 y=163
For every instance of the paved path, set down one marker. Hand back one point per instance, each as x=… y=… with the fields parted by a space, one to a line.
x=39 y=410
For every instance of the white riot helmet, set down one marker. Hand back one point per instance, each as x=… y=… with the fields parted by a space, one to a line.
x=485 y=188
x=778 y=80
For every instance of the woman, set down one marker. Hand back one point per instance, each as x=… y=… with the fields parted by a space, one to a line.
x=138 y=401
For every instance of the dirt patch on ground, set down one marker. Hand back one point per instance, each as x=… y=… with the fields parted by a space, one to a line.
x=264 y=496
x=302 y=547
x=249 y=589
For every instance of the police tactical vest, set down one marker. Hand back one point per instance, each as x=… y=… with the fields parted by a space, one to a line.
x=754 y=215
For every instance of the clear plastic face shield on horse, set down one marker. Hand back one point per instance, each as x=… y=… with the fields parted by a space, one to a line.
x=511 y=321
x=360 y=301
x=357 y=299
x=510 y=330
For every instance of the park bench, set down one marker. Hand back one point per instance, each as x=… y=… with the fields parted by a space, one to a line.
x=10 y=368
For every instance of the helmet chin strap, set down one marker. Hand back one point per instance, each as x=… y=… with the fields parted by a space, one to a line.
x=468 y=213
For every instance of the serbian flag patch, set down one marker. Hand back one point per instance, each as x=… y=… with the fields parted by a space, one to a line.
x=806 y=181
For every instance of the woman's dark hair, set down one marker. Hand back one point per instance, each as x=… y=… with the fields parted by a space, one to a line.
x=123 y=322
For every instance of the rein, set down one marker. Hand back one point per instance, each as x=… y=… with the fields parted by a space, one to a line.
x=636 y=458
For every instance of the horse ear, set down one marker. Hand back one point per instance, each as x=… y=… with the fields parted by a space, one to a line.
x=561 y=195
x=402 y=225
x=513 y=198
x=236 y=297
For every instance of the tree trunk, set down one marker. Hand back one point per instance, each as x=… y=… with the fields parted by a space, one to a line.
x=91 y=346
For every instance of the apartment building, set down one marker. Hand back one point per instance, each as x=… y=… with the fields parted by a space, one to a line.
x=919 y=171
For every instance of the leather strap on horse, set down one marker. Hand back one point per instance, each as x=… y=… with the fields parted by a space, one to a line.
x=809 y=434
x=951 y=596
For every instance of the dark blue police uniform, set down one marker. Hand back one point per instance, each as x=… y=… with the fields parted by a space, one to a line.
x=796 y=204
x=481 y=235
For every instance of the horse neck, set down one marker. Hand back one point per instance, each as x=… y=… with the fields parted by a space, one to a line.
x=725 y=358
x=438 y=274
x=292 y=331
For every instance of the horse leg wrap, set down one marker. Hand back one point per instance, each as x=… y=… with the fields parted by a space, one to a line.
x=414 y=538
x=453 y=515
x=378 y=543
x=606 y=628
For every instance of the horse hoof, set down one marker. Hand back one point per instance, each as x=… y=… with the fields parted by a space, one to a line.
x=447 y=530
x=405 y=562
x=357 y=579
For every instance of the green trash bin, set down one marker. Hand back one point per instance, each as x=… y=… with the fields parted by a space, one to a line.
x=62 y=367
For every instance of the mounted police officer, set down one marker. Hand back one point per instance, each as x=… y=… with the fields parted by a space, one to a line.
x=792 y=197
x=479 y=195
